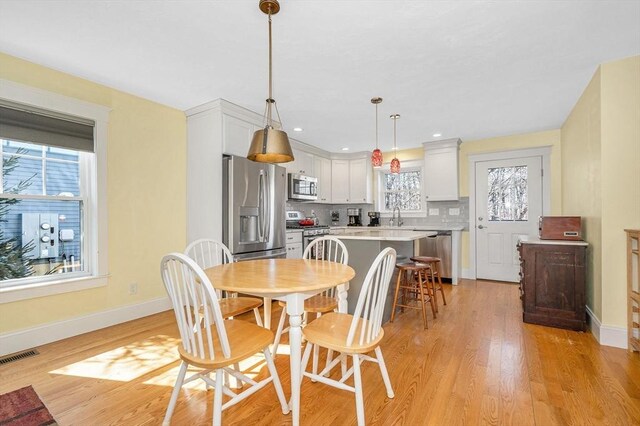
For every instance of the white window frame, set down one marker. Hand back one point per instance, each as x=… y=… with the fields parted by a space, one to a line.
x=406 y=165
x=93 y=180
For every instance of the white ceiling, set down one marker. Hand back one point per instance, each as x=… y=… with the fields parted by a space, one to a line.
x=468 y=69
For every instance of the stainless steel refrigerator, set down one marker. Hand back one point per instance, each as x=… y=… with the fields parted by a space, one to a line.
x=253 y=208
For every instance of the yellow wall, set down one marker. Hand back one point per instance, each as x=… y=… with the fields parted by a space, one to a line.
x=601 y=179
x=620 y=179
x=146 y=184
x=581 y=181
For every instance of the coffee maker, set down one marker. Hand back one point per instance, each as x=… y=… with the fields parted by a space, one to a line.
x=374 y=218
x=355 y=217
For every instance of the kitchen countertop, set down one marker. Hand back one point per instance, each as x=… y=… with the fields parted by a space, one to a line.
x=536 y=240
x=385 y=234
x=444 y=227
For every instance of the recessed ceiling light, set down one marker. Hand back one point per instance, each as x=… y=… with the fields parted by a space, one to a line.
x=435 y=135
x=345 y=149
x=298 y=129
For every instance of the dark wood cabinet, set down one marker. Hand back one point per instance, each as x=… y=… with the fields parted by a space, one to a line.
x=553 y=283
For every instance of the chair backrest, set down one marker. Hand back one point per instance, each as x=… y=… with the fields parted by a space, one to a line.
x=208 y=252
x=327 y=248
x=367 y=317
x=195 y=305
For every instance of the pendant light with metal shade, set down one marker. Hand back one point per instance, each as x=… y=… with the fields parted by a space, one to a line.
x=376 y=155
x=395 y=163
x=270 y=145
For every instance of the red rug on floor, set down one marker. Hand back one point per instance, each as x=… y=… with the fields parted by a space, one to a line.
x=23 y=407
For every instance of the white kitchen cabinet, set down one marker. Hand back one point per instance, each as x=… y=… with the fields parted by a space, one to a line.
x=322 y=171
x=351 y=181
x=294 y=244
x=302 y=163
x=340 y=181
x=441 y=170
x=237 y=135
x=360 y=181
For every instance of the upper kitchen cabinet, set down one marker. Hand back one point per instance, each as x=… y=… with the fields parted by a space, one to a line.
x=441 y=170
x=302 y=164
x=322 y=171
x=237 y=135
x=351 y=181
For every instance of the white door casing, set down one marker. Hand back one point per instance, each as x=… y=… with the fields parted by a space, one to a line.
x=477 y=241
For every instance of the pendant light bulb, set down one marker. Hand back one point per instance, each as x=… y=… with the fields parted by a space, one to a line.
x=395 y=163
x=376 y=155
x=270 y=145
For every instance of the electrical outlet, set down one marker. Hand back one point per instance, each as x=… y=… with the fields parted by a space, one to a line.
x=434 y=212
x=454 y=211
x=133 y=288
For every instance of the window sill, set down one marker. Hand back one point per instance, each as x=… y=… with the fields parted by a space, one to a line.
x=49 y=288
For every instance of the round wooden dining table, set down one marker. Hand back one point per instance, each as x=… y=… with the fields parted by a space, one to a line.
x=292 y=281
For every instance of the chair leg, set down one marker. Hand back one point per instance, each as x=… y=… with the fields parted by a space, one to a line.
x=276 y=381
x=217 y=399
x=422 y=301
x=276 y=341
x=433 y=300
x=329 y=359
x=444 y=300
x=174 y=393
x=432 y=279
x=316 y=355
x=238 y=382
x=395 y=298
x=305 y=359
x=256 y=312
x=357 y=380
x=383 y=371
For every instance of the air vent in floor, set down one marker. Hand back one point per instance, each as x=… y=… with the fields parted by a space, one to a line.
x=18 y=356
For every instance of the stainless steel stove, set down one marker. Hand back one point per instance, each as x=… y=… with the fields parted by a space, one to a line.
x=309 y=232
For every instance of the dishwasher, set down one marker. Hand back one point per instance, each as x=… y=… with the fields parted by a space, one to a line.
x=439 y=246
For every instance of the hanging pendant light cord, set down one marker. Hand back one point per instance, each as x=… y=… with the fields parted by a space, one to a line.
x=270 y=100
x=376 y=126
x=395 y=148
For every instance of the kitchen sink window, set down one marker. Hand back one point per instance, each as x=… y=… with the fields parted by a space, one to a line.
x=402 y=190
x=50 y=201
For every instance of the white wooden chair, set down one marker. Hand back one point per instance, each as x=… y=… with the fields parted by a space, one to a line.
x=324 y=248
x=209 y=342
x=208 y=253
x=355 y=335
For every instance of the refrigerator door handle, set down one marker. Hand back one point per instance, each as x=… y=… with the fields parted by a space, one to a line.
x=263 y=206
x=267 y=202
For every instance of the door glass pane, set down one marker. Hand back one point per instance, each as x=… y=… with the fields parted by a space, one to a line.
x=507 y=194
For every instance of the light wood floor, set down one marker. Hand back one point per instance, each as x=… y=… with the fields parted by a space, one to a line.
x=477 y=364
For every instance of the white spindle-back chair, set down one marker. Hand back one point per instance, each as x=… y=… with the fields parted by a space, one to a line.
x=207 y=253
x=355 y=335
x=208 y=341
x=323 y=248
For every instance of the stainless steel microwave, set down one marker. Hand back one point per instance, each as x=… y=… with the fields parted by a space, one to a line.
x=301 y=187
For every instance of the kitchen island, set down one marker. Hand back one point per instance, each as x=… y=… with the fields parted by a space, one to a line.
x=364 y=244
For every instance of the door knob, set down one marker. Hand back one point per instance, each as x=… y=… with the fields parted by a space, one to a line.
x=481 y=227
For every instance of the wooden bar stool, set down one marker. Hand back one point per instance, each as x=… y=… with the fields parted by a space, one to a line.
x=433 y=271
x=410 y=281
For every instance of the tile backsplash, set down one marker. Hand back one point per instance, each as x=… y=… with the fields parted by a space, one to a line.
x=438 y=213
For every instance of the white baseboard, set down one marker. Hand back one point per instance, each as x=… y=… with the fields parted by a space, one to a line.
x=47 y=333
x=607 y=335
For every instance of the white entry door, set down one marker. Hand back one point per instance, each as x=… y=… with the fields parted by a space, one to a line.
x=508 y=204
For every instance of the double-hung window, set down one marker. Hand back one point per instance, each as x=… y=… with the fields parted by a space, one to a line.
x=402 y=190
x=49 y=200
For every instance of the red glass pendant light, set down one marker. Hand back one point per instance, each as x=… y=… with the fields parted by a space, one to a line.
x=395 y=163
x=376 y=155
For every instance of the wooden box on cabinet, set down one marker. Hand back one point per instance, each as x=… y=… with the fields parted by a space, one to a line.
x=553 y=283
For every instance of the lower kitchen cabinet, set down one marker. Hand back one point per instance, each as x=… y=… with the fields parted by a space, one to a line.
x=294 y=244
x=553 y=283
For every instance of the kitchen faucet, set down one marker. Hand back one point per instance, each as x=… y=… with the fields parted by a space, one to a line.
x=393 y=217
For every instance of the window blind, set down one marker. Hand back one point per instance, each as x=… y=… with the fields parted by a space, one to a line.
x=26 y=124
